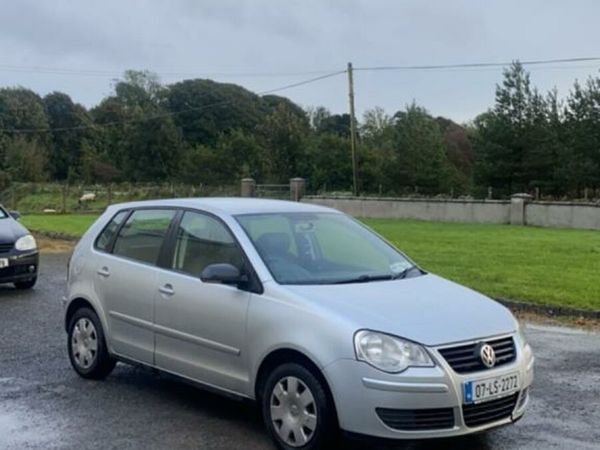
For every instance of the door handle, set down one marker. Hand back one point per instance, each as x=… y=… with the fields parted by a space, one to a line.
x=166 y=289
x=104 y=272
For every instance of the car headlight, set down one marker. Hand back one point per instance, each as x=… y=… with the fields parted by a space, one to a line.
x=25 y=243
x=521 y=333
x=389 y=353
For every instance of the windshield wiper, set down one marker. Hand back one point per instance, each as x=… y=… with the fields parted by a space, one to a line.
x=364 y=279
x=404 y=273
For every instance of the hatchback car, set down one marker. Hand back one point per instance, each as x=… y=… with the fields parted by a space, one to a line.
x=299 y=307
x=19 y=257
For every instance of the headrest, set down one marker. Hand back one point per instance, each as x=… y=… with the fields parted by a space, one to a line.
x=270 y=244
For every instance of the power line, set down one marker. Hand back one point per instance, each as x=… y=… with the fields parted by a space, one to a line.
x=479 y=65
x=165 y=114
x=113 y=73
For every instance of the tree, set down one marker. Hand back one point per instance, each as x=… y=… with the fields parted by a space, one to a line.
x=417 y=160
x=22 y=109
x=328 y=161
x=74 y=131
x=283 y=136
x=515 y=142
x=26 y=160
x=582 y=130
x=138 y=135
x=459 y=153
x=204 y=109
x=235 y=156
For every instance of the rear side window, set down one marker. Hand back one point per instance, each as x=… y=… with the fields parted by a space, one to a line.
x=103 y=241
x=143 y=234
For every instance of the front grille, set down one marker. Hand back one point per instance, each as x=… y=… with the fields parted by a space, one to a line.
x=14 y=270
x=6 y=247
x=465 y=358
x=417 y=419
x=482 y=413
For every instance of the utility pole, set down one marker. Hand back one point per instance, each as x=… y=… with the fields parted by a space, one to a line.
x=352 y=131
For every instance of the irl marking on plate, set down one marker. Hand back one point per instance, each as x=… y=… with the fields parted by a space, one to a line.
x=469 y=392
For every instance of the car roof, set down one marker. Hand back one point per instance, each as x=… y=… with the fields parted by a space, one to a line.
x=230 y=205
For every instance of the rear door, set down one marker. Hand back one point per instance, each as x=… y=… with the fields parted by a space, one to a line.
x=201 y=327
x=126 y=281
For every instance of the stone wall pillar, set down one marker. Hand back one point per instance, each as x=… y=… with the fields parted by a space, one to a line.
x=297 y=186
x=248 y=187
x=518 y=203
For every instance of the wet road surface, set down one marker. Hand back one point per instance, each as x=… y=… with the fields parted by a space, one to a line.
x=45 y=405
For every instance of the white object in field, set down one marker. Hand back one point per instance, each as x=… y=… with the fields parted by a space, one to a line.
x=88 y=197
x=49 y=211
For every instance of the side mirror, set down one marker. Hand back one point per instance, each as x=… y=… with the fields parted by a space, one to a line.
x=223 y=273
x=15 y=215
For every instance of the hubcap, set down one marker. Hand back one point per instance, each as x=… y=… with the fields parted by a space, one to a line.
x=84 y=343
x=293 y=411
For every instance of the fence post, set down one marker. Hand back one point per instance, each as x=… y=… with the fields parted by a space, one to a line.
x=13 y=197
x=518 y=204
x=297 y=186
x=65 y=194
x=109 y=193
x=490 y=193
x=248 y=187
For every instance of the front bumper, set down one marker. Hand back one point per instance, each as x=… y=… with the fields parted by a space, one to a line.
x=359 y=391
x=21 y=267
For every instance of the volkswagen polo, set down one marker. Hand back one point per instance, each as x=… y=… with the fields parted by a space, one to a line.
x=301 y=308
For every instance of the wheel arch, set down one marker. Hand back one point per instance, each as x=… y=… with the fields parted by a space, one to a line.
x=74 y=305
x=281 y=356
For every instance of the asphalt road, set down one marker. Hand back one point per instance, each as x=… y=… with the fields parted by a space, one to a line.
x=45 y=405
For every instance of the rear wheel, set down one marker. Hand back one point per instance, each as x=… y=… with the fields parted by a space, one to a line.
x=87 y=346
x=26 y=284
x=297 y=410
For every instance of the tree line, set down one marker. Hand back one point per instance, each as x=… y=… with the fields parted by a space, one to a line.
x=202 y=132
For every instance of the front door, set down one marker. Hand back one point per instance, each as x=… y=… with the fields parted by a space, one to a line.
x=200 y=327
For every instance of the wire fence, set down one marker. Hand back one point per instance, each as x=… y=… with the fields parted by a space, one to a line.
x=37 y=198
x=32 y=198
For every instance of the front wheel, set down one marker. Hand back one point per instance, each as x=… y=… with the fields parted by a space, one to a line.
x=87 y=346
x=297 y=410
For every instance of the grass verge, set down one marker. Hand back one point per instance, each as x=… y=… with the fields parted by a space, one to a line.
x=537 y=265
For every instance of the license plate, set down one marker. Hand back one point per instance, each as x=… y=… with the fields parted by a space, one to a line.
x=489 y=388
x=3 y=263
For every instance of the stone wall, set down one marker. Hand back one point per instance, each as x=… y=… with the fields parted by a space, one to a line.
x=520 y=210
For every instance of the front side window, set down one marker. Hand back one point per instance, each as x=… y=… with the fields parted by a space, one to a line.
x=109 y=231
x=143 y=234
x=322 y=248
x=203 y=240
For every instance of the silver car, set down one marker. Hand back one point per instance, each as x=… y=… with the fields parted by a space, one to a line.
x=299 y=307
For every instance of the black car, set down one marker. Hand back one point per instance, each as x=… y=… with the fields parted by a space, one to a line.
x=19 y=256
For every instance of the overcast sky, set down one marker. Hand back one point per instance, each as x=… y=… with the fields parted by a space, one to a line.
x=97 y=40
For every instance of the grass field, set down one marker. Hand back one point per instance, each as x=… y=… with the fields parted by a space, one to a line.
x=537 y=265
x=68 y=224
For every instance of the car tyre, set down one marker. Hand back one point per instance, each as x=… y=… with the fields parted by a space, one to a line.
x=87 y=346
x=297 y=409
x=22 y=285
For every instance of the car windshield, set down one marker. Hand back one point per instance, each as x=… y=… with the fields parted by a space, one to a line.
x=322 y=248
